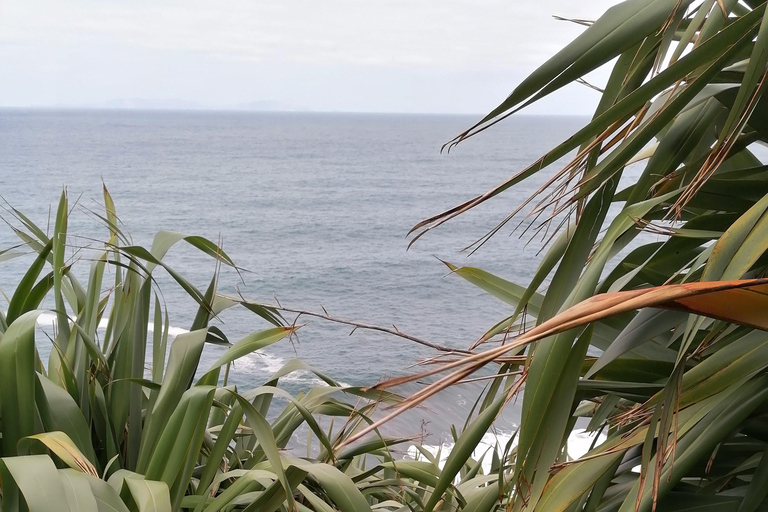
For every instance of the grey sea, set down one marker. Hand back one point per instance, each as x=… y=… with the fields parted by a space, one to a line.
x=316 y=207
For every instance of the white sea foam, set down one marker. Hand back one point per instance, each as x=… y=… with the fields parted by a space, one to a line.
x=47 y=320
x=488 y=444
x=579 y=443
x=172 y=331
x=259 y=362
x=264 y=362
x=50 y=320
x=270 y=363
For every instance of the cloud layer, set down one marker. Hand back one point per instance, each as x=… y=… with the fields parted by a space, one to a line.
x=378 y=55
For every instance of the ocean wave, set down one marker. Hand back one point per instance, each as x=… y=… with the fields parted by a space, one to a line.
x=260 y=363
x=50 y=320
x=269 y=364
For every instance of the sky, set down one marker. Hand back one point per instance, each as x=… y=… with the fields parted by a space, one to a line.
x=431 y=56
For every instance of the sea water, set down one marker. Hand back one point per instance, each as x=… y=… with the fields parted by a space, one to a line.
x=316 y=207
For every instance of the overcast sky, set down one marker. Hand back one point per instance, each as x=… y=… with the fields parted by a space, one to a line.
x=447 y=56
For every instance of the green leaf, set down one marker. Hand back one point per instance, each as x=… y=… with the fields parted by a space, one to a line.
x=182 y=365
x=36 y=479
x=266 y=438
x=245 y=346
x=502 y=289
x=178 y=445
x=148 y=495
x=758 y=487
x=339 y=487
x=22 y=294
x=59 y=244
x=79 y=493
x=18 y=359
x=648 y=324
x=462 y=450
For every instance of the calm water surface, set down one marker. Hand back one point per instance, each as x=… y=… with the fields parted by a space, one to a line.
x=315 y=206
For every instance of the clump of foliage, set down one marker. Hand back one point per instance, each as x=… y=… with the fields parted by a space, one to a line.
x=676 y=381
x=108 y=423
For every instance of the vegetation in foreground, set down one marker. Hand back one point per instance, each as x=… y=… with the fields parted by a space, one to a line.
x=107 y=423
x=666 y=189
x=675 y=383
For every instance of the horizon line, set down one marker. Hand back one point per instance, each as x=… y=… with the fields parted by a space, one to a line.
x=261 y=111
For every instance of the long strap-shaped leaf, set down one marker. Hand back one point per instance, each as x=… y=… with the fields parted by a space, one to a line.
x=742 y=302
x=722 y=46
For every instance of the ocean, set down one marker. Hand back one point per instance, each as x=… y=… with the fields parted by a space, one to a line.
x=315 y=206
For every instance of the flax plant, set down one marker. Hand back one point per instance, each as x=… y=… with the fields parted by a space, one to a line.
x=123 y=416
x=657 y=345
